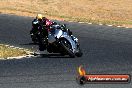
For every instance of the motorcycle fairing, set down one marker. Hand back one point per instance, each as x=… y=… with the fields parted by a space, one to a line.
x=73 y=44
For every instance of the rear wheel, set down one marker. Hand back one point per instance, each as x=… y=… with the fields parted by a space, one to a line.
x=33 y=36
x=68 y=48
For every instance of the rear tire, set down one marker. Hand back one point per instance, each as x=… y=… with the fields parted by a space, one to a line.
x=34 y=39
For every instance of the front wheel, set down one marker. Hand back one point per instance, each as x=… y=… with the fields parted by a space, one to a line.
x=79 y=52
x=67 y=48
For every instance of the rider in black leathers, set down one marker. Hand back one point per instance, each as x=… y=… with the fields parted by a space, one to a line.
x=40 y=27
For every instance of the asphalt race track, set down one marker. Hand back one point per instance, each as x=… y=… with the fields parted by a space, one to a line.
x=107 y=50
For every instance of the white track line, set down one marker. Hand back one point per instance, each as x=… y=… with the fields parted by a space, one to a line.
x=119 y=26
x=101 y=24
x=6 y=45
x=21 y=48
x=11 y=46
x=20 y=57
x=80 y=22
x=109 y=25
x=89 y=23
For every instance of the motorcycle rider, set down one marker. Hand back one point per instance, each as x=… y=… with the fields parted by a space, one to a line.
x=42 y=24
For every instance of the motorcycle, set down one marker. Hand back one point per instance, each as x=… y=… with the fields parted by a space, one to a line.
x=60 y=41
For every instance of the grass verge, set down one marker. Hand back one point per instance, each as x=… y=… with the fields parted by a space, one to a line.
x=6 y=51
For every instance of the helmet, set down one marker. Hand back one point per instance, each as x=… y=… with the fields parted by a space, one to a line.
x=39 y=16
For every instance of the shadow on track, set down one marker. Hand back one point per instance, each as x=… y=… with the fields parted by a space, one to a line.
x=29 y=44
x=51 y=55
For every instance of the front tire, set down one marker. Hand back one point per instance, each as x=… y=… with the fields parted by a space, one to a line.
x=68 y=48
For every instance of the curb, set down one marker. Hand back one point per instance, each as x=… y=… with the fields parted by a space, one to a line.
x=109 y=25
